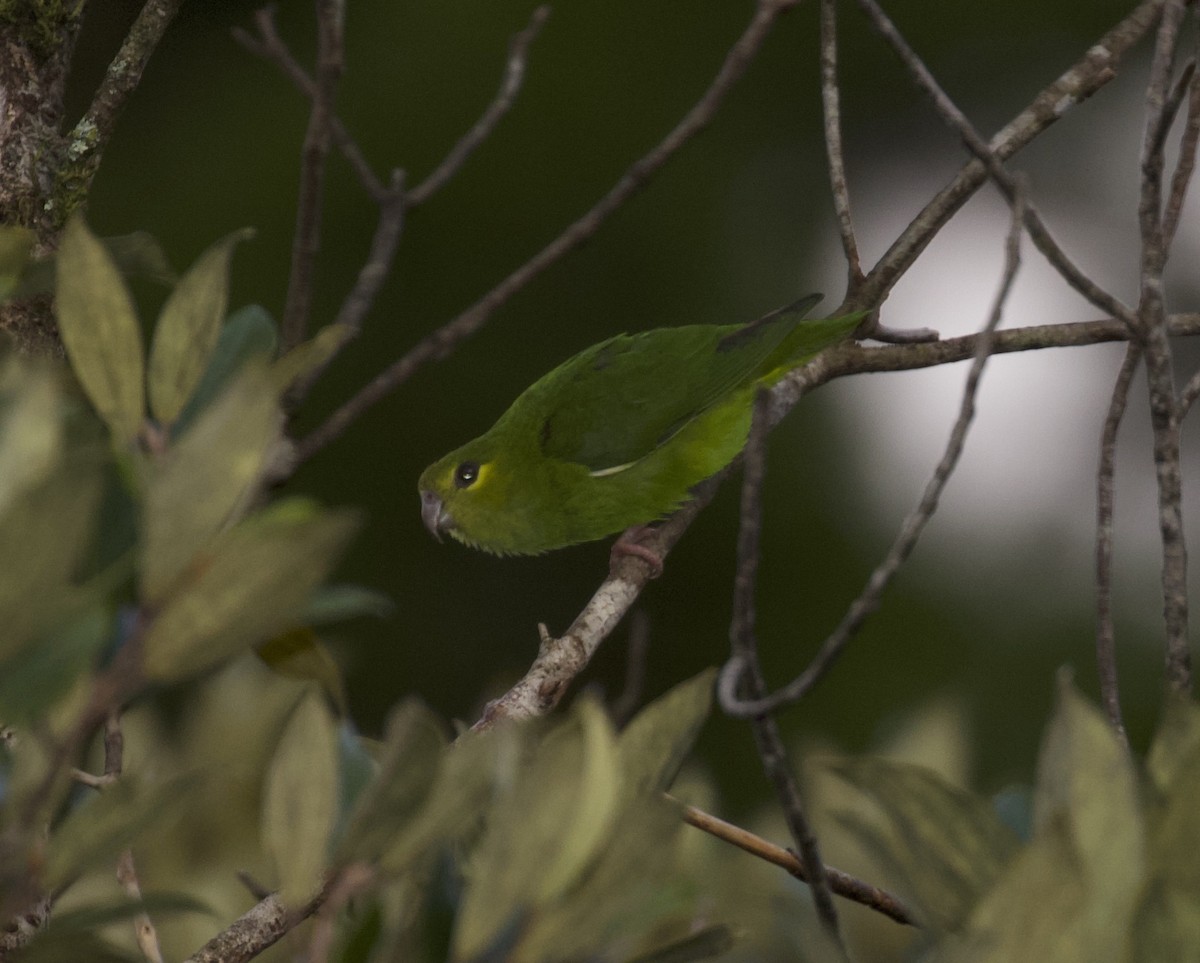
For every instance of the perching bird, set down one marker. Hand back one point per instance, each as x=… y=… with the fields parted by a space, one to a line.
x=617 y=435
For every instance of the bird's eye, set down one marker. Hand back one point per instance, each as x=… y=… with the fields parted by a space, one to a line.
x=466 y=474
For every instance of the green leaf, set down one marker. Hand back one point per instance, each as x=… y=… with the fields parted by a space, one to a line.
x=256 y=579
x=188 y=329
x=135 y=255
x=43 y=672
x=307 y=357
x=1178 y=737
x=300 y=797
x=30 y=427
x=414 y=743
x=298 y=653
x=109 y=822
x=15 y=246
x=100 y=331
x=1086 y=782
x=710 y=942
x=205 y=480
x=43 y=536
x=336 y=603
x=657 y=740
x=250 y=334
x=545 y=831
x=945 y=846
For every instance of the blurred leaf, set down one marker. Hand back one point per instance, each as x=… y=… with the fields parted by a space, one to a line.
x=1166 y=923
x=30 y=426
x=15 y=245
x=100 y=331
x=945 y=846
x=1086 y=782
x=136 y=255
x=188 y=329
x=299 y=654
x=708 y=943
x=414 y=743
x=69 y=936
x=42 y=673
x=1035 y=911
x=42 y=538
x=53 y=947
x=249 y=334
x=357 y=767
x=657 y=740
x=544 y=831
x=336 y=603
x=300 y=795
x=203 y=481
x=307 y=357
x=108 y=822
x=255 y=580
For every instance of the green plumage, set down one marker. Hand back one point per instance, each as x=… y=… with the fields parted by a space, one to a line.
x=617 y=435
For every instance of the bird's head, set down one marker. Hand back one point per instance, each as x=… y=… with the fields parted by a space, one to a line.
x=469 y=495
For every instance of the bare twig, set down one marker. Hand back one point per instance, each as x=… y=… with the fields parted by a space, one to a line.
x=1186 y=164
x=1106 y=650
x=143 y=928
x=306 y=243
x=95 y=128
x=270 y=46
x=514 y=75
x=843 y=884
x=1187 y=397
x=831 y=110
x=263 y=925
x=444 y=340
x=871 y=596
x=950 y=113
x=744 y=648
x=1152 y=334
x=1095 y=69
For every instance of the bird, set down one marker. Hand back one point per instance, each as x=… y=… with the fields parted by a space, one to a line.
x=616 y=437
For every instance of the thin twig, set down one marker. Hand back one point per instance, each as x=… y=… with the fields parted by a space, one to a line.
x=831 y=111
x=95 y=128
x=1152 y=333
x=872 y=594
x=843 y=884
x=306 y=243
x=1186 y=163
x=270 y=46
x=510 y=85
x=1038 y=232
x=744 y=647
x=1095 y=69
x=445 y=339
x=263 y=925
x=1187 y=397
x=1106 y=648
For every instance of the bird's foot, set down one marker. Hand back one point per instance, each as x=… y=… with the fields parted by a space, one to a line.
x=632 y=542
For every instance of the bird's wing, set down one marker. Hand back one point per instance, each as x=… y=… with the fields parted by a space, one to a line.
x=616 y=402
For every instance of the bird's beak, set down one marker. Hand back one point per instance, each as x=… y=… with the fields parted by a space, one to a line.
x=434 y=514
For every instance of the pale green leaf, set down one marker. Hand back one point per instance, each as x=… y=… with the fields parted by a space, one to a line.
x=254 y=581
x=657 y=740
x=1035 y=911
x=545 y=831
x=307 y=357
x=248 y=335
x=108 y=822
x=1086 y=782
x=188 y=329
x=15 y=245
x=1178 y=737
x=300 y=795
x=414 y=743
x=298 y=653
x=945 y=846
x=43 y=536
x=100 y=331
x=204 y=480
x=30 y=426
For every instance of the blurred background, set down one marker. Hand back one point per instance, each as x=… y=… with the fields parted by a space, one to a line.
x=998 y=594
